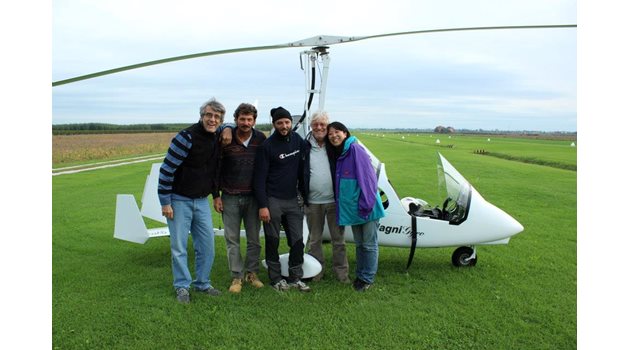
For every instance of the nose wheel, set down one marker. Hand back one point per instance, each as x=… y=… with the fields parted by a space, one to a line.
x=464 y=256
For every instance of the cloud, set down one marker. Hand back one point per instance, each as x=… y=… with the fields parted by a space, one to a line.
x=515 y=73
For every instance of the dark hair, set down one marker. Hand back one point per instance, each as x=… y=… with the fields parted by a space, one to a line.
x=335 y=151
x=338 y=126
x=246 y=109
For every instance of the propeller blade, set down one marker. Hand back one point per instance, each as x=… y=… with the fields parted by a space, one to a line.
x=320 y=40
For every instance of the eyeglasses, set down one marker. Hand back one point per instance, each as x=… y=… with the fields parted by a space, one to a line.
x=212 y=115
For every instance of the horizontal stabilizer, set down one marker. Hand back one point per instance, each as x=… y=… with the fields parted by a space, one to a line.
x=158 y=232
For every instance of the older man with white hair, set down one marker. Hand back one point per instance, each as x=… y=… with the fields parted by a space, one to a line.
x=321 y=200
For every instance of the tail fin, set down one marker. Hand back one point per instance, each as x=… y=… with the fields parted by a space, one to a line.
x=151 y=207
x=129 y=219
x=129 y=223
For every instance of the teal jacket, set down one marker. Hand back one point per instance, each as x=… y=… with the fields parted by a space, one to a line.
x=356 y=188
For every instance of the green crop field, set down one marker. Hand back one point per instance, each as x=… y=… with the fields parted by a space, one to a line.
x=112 y=294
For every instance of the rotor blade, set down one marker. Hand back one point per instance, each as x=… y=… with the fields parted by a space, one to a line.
x=166 y=60
x=320 y=40
x=465 y=29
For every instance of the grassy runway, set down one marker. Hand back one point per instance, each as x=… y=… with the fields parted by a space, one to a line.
x=111 y=294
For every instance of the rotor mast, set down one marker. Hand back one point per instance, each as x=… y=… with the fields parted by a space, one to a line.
x=319 y=50
x=314 y=58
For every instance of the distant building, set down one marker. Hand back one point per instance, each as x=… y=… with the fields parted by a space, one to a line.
x=444 y=130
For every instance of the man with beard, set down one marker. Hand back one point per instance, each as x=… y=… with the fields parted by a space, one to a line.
x=237 y=203
x=279 y=175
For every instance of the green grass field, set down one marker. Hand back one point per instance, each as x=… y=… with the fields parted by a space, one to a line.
x=112 y=294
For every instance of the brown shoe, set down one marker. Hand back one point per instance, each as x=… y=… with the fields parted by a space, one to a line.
x=253 y=280
x=236 y=286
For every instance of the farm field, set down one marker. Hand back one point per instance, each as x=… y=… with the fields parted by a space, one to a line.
x=69 y=150
x=117 y=295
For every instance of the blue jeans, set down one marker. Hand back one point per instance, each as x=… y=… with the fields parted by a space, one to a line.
x=366 y=242
x=194 y=216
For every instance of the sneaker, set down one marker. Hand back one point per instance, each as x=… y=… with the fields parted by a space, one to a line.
x=236 y=286
x=301 y=286
x=210 y=291
x=253 y=280
x=318 y=278
x=280 y=286
x=361 y=286
x=183 y=296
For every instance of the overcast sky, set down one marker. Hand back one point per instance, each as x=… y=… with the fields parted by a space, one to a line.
x=517 y=79
x=502 y=79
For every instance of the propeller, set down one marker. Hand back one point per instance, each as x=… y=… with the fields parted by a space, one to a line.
x=316 y=41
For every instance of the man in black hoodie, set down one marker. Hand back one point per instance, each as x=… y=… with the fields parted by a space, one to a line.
x=279 y=175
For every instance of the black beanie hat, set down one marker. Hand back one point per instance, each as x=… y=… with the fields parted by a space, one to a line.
x=338 y=126
x=279 y=113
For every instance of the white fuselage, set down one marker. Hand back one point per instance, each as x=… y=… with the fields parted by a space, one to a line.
x=484 y=224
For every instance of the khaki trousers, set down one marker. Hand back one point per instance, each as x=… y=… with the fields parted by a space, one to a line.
x=315 y=215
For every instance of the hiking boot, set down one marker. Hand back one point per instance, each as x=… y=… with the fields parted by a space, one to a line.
x=183 y=296
x=280 y=286
x=253 y=280
x=361 y=286
x=210 y=291
x=236 y=286
x=301 y=286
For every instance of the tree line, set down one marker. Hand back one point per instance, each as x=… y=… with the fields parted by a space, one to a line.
x=104 y=128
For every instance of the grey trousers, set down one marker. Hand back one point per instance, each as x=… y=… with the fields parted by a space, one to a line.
x=237 y=208
x=315 y=215
x=288 y=213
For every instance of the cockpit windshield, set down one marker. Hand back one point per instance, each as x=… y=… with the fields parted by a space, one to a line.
x=456 y=190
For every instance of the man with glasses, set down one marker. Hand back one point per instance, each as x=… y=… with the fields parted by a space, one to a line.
x=321 y=200
x=187 y=177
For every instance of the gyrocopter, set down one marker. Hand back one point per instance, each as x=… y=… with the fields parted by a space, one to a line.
x=464 y=219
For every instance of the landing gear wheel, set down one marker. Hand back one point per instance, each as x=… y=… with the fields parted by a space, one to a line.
x=462 y=257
